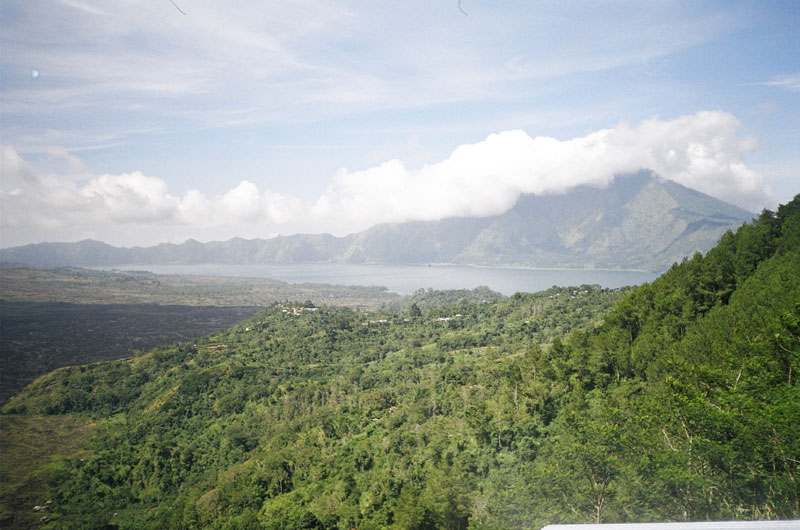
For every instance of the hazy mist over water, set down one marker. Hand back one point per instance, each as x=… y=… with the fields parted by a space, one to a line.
x=405 y=279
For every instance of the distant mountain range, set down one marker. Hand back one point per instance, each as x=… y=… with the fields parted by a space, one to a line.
x=639 y=221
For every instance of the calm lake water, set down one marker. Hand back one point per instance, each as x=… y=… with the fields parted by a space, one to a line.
x=405 y=279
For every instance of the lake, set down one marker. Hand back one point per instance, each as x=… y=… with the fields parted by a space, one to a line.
x=405 y=279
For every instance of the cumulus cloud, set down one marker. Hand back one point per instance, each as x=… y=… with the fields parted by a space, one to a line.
x=247 y=204
x=131 y=208
x=702 y=151
x=130 y=197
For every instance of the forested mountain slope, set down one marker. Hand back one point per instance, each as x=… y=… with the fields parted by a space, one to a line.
x=682 y=404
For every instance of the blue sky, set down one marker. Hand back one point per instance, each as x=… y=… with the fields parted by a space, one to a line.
x=133 y=123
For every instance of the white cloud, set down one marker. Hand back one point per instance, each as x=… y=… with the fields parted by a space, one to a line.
x=131 y=208
x=294 y=62
x=131 y=197
x=247 y=204
x=701 y=151
x=789 y=82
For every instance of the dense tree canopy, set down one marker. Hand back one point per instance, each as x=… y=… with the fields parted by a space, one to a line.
x=680 y=402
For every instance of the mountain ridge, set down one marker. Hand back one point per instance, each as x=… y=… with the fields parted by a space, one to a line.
x=639 y=221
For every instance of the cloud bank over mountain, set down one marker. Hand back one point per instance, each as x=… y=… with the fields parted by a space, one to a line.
x=62 y=201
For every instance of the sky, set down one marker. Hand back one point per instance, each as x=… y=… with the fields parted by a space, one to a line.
x=139 y=122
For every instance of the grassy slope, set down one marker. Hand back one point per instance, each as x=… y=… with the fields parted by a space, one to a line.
x=32 y=445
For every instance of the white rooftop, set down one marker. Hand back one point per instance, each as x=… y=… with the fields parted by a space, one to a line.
x=722 y=525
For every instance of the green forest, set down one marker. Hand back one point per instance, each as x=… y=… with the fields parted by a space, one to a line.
x=677 y=400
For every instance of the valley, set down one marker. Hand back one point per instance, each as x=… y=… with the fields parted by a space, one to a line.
x=675 y=400
x=68 y=316
x=399 y=266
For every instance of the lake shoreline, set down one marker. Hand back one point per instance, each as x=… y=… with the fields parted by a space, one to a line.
x=407 y=279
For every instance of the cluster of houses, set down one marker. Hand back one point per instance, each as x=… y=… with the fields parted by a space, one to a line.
x=297 y=311
x=386 y=321
x=574 y=294
x=380 y=321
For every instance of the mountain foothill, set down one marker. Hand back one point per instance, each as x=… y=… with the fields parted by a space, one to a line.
x=677 y=400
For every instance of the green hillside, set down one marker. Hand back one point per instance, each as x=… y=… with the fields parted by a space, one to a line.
x=679 y=403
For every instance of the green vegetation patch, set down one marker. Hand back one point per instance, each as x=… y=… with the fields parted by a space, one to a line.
x=677 y=400
x=33 y=447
